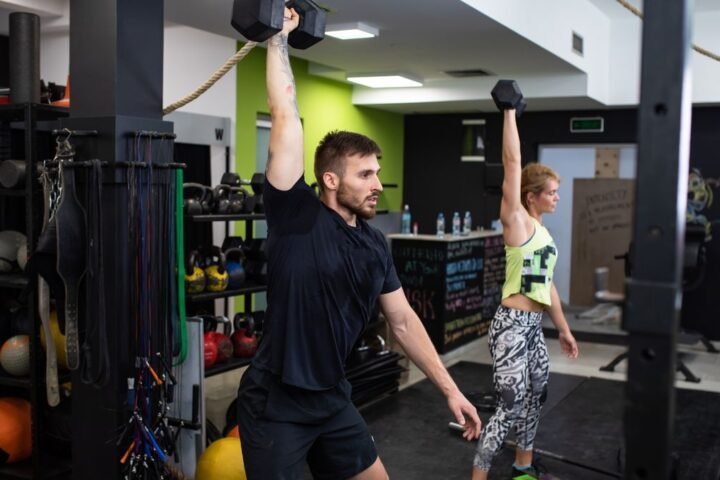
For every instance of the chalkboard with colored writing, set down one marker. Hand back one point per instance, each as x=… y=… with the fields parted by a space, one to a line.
x=451 y=285
x=420 y=266
x=493 y=277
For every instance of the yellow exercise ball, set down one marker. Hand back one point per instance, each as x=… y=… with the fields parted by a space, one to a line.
x=58 y=340
x=222 y=460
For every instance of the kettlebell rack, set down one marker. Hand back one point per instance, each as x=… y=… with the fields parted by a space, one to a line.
x=246 y=291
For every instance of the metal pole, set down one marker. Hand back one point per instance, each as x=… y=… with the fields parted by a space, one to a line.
x=654 y=288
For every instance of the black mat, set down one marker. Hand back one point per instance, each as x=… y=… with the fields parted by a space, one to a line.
x=414 y=442
x=581 y=421
x=597 y=406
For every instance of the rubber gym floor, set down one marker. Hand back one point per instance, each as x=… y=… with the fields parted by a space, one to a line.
x=581 y=421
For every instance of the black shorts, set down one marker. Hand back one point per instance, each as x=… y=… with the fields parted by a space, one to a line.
x=282 y=428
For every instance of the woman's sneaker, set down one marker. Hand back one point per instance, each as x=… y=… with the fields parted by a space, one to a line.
x=534 y=472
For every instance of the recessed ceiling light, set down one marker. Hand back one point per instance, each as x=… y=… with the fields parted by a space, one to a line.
x=351 y=31
x=384 y=81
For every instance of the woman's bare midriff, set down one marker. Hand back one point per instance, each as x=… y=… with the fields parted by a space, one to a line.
x=519 y=301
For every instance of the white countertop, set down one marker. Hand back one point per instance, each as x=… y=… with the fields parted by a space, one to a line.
x=445 y=238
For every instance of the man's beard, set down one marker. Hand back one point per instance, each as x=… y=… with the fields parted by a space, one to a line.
x=345 y=199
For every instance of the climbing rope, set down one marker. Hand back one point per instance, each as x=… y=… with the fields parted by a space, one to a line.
x=239 y=55
x=697 y=48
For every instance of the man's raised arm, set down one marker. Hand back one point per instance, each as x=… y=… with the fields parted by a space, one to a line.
x=285 y=159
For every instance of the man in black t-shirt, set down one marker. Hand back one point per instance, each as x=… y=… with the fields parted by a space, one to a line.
x=327 y=269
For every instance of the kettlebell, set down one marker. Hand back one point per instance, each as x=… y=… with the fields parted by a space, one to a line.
x=197 y=199
x=221 y=199
x=244 y=340
x=222 y=339
x=210 y=348
x=237 y=200
x=216 y=273
x=236 y=272
x=195 y=280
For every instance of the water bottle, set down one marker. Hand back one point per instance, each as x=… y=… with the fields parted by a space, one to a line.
x=440 y=231
x=467 y=223
x=405 y=224
x=456 y=224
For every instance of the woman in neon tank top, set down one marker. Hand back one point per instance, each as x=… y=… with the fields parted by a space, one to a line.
x=517 y=345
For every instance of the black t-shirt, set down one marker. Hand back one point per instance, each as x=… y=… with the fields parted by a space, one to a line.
x=324 y=279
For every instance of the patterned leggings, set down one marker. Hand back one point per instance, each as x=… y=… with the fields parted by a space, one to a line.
x=520 y=375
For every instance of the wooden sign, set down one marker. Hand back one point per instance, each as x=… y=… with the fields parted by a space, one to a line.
x=607 y=162
x=601 y=229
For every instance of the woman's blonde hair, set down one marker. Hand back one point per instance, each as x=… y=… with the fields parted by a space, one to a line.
x=533 y=179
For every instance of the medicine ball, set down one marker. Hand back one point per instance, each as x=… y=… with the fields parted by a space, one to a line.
x=10 y=242
x=15 y=355
x=22 y=256
x=15 y=431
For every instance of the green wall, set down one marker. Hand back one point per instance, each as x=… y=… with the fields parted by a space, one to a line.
x=324 y=105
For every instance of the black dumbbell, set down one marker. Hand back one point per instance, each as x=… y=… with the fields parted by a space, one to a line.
x=258 y=20
x=312 y=24
x=257 y=182
x=231 y=179
x=507 y=96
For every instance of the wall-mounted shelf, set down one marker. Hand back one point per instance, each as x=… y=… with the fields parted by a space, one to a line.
x=225 y=218
x=201 y=297
x=13 y=280
x=8 y=380
x=40 y=111
x=8 y=192
x=231 y=364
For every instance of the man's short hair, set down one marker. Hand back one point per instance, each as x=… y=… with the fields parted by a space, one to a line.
x=335 y=147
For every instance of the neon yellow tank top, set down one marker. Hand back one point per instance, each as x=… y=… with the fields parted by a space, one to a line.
x=529 y=267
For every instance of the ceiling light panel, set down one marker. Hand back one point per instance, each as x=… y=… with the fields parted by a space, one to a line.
x=384 y=81
x=351 y=31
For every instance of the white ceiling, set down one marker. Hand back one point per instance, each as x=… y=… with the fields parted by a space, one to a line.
x=425 y=38
x=422 y=37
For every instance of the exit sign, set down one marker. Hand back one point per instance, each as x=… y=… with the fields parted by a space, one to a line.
x=587 y=125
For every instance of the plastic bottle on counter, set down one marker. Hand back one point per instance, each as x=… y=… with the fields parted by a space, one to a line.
x=440 y=229
x=406 y=218
x=456 y=224
x=467 y=223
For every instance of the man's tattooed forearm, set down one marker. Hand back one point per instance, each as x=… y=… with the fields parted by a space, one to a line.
x=280 y=40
